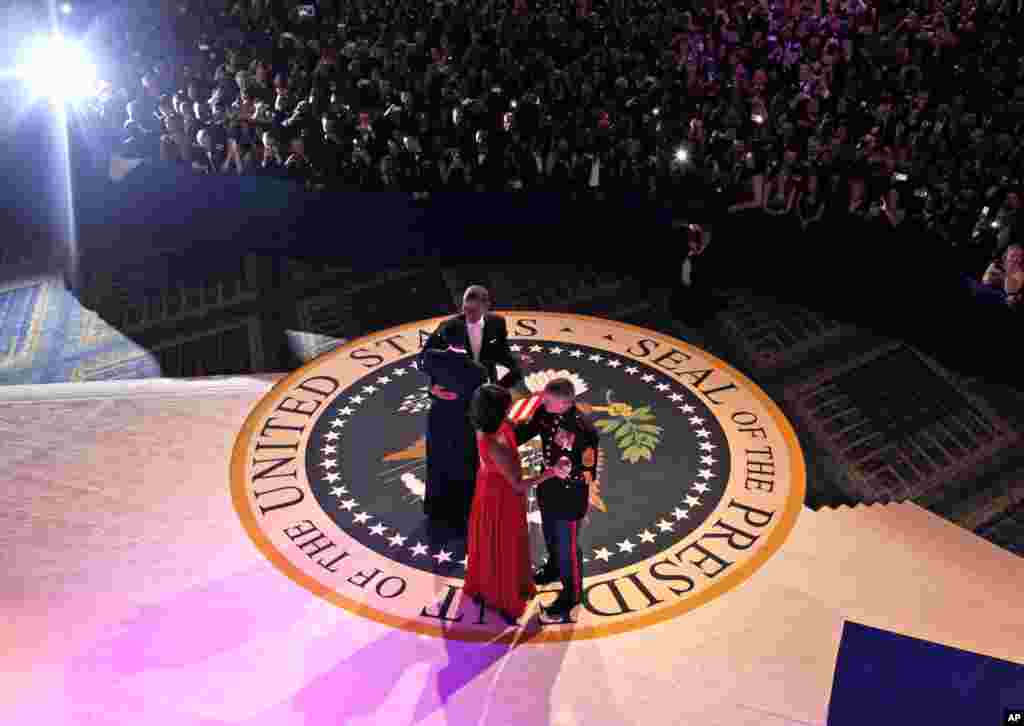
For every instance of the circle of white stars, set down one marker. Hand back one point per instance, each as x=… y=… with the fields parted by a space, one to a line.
x=693 y=496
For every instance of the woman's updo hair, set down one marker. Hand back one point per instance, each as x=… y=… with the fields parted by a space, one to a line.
x=489 y=407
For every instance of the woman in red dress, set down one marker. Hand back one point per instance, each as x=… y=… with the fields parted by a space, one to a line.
x=498 y=571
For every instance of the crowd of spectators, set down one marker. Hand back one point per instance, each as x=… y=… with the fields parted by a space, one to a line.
x=875 y=113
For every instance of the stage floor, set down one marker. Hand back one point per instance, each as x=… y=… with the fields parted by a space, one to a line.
x=163 y=563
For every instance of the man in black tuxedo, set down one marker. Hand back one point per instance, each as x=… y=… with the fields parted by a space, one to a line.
x=451 y=443
x=483 y=334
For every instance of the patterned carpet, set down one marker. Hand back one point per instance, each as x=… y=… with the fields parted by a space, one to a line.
x=35 y=320
x=770 y=335
x=898 y=426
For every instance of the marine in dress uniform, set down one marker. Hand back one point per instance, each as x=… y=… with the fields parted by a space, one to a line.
x=563 y=502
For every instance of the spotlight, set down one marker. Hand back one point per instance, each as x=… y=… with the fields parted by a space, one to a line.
x=681 y=155
x=757 y=118
x=57 y=68
x=65 y=8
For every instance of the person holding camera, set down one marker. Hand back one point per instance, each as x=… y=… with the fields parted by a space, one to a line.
x=1003 y=280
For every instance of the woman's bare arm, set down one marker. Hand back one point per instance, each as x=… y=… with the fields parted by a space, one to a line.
x=507 y=461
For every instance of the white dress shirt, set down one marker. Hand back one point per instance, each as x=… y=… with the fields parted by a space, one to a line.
x=476 y=337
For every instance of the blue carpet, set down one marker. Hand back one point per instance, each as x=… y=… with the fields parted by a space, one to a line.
x=16 y=314
x=886 y=679
x=46 y=336
x=33 y=317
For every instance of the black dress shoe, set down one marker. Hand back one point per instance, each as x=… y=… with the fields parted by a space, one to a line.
x=544 y=576
x=559 y=609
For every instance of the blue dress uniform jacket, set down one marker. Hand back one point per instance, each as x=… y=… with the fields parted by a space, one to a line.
x=566 y=499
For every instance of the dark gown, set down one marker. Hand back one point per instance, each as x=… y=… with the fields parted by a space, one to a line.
x=451 y=441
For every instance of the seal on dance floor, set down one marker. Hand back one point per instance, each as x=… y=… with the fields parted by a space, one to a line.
x=701 y=479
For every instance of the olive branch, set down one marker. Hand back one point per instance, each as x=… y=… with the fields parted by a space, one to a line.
x=635 y=433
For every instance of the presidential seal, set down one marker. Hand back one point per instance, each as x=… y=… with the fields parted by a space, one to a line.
x=700 y=479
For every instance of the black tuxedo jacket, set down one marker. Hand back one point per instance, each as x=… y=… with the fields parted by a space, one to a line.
x=493 y=348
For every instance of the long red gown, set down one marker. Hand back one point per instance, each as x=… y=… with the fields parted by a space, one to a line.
x=499 y=570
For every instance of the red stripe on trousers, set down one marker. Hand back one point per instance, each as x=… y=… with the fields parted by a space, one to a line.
x=575 y=560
